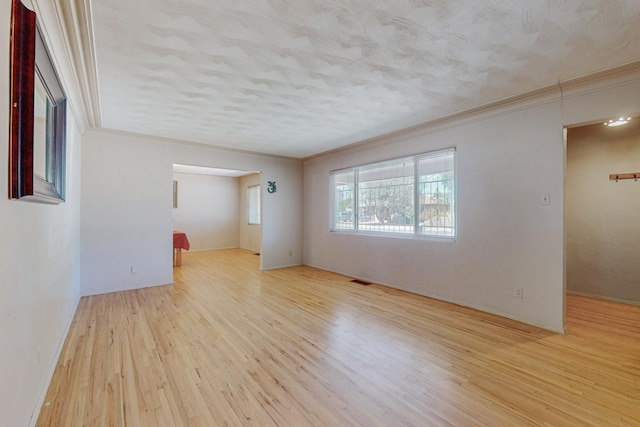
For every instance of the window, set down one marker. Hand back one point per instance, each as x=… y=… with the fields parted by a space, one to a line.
x=344 y=204
x=253 y=204
x=409 y=196
x=386 y=197
x=38 y=117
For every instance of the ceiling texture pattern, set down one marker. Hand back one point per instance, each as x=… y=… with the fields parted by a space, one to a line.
x=300 y=77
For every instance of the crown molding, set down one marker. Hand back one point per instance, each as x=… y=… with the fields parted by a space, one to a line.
x=609 y=76
x=184 y=142
x=75 y=20
x=563 y=89
x=524 y=100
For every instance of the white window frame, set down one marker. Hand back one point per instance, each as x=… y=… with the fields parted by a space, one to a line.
x=441 y=209
x=254 y=214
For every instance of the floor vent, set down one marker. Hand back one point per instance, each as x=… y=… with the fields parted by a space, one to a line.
x=361 y=282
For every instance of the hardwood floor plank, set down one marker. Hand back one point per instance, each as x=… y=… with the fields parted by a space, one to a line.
x=229 y=345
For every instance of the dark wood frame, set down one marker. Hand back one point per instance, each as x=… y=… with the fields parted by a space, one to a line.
x=30 y=59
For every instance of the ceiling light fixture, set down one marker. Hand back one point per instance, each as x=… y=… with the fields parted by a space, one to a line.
x=618 y=122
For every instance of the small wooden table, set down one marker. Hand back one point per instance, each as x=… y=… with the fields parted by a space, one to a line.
x=180 y=242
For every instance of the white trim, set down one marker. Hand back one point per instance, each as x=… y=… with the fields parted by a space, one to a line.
x=35 y=414
x=75 y=20
x=600 y=81
x=214 y=249
x=128 y=288
x=604 y=298
x=163 y=139
x=68 y=32
x=450 y=300
x=276 y=267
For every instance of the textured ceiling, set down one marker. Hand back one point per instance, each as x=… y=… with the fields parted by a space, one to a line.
x=299 y=77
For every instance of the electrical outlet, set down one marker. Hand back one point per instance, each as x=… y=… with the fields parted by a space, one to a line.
x=545 y=199
x=519 y=293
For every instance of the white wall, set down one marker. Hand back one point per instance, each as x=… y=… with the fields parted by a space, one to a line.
x=506 y=159
x=506 y=239
x=603 y=216
x=127 y=203
x=208 y=210
x=249 y=233
x=39 y=258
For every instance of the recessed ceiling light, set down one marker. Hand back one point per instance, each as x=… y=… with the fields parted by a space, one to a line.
x=618 y=122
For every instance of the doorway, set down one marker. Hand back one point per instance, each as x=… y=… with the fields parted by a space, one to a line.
x=602 y=214
x=211 y=208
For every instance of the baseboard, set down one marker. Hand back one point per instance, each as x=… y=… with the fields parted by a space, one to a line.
x=561 y=330
x=43 y=393
x=130 y=288
x=282 y=266
x=604 y=298
x=212 y=249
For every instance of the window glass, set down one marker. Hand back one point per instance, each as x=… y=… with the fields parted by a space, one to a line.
x=253 y=200
x=386 y=197
x=435 y=195
x=42 y=112
x=409 y=196
x=344 y=200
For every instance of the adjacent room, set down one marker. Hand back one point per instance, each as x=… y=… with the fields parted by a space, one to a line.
x=398 y=213
x=217 y=208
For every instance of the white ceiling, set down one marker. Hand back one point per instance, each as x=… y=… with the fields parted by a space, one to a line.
x=300 y=77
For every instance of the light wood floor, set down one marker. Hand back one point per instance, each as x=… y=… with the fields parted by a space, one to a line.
x=229 y=345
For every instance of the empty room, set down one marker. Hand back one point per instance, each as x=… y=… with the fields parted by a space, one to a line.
x=407 y=213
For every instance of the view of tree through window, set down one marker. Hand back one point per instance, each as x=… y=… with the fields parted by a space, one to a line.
x=413 y=195
x=386 y=197
x=344 y=184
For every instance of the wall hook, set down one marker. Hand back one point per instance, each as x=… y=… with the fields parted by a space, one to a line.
x=630 y=175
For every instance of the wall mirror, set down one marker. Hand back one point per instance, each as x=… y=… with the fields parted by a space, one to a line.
x=38 y=115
